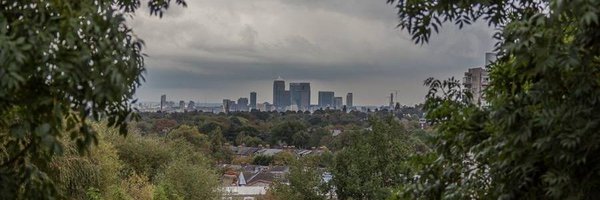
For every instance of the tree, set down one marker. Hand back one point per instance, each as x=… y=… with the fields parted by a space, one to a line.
x=305 y=182
x=62 y=64
x=372 y=163
x=538 y=136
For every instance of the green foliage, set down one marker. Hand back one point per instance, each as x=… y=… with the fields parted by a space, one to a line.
x=62 y=65
x=305 y=182
x=537 y=139
x=372 y=163
x=262 y=160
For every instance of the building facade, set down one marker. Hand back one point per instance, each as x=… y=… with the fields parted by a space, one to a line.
x=242 y=104
x=326 y=99
x=475 y=82
x=300 y=95
x=163 y=102
x=252 y=100
x=278 y=93
x=349 y=100
x=338 y=102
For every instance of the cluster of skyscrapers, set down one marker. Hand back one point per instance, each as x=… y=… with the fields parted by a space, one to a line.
x=242 y=104
x=298 y=97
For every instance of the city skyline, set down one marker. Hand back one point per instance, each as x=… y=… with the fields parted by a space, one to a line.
x=215 y=49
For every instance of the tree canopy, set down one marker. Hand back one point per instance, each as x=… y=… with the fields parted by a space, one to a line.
x=62 y=64
x=538 y=137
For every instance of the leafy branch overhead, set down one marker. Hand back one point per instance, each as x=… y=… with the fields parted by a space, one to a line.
x=62 y=64
x=537 y=138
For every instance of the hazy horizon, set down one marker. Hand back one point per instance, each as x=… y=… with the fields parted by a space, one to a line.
x=216 y=49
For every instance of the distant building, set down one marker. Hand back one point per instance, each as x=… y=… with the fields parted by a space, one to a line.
x=338 y=102
x=227 y=105
x=191 y=106
x=181 y=105
x=242 y=104
x=391 y=101
x=475 y=81
x=287 y=100
x=326 y=99
x=300 y=95
x=252 y=100
x=163 y=102
x=349 y=100
x=278 y=93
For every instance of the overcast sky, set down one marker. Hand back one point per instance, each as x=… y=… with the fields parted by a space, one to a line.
x=216 y=49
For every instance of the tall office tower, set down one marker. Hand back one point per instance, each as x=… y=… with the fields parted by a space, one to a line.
x=300 y=95
x=338 y=102
x=226 y=105
x=286 y=100
x=252 y=100
x=278 y=92
x=349 y=100
x=181 y=105
x=163 y=102
x=475 y=81
x=242 y=104
x=191 y=106
x=391 y=100
x=326 y=99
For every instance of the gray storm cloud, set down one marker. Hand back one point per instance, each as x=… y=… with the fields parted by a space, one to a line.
x=217 y=49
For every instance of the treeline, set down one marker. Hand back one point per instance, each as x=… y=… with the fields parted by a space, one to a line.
x=298 y=129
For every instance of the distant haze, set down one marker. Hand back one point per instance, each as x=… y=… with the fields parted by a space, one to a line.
x=217 y=49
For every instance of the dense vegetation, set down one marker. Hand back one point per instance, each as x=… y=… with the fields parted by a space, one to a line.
x=136 y=167
x=538 y=138
x=63 y=64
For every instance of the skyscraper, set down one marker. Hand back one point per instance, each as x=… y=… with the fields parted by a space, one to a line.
x=326 y=99
x=226 y=104
x=391 y=101
x=163 y=102
x=252 y=100
x=278 y=93
x=242 y=104
x=300 y=95
x=349 y=100
x=191 y=106
x=181 y=105
x=338 y=102
x=286 y=99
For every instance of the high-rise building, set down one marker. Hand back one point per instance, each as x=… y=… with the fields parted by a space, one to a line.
x=163 y=102
x=391 y=101
x=338 y=102
x=278 y=93
x=227 y=104
x=349 y=100
x=191 y=106
x=252 y=100
x=181 y=105
x=475 y=81
x=286 y=100
x=242 y=104
x=326 y=99
x=300 y=95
